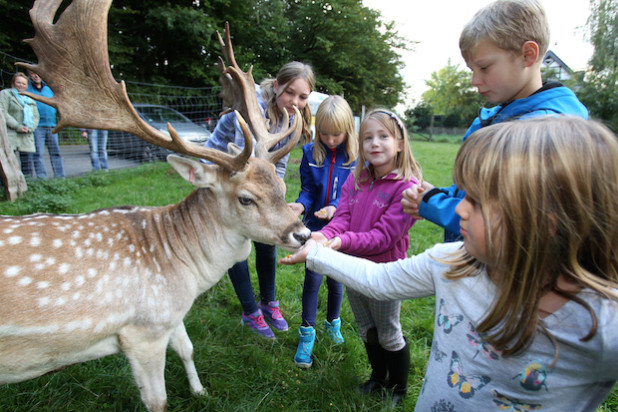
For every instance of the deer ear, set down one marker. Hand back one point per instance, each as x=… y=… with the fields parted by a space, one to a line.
x=197 y=173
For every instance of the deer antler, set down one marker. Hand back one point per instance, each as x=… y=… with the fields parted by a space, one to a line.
x=238 y=92
x=73 y=61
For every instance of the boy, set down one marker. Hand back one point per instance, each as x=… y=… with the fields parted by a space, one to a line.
x=504 y=45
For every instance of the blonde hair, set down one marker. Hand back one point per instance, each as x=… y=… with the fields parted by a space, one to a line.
x=335 y=116
x=288 y=73
x=508 y=24
x=406 y=165
x=16 y=75
x=548 y=192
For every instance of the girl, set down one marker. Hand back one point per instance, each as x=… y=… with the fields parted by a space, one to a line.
x=370 y=222
x=526 y=305
x=294 y=82
x=325 y=165
x=21 y=117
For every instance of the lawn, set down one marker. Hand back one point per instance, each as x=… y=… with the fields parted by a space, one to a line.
x=240 y=371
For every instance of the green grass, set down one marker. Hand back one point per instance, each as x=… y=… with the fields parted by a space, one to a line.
x=240 y=371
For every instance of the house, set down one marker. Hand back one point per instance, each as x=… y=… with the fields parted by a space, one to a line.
x=560 y=71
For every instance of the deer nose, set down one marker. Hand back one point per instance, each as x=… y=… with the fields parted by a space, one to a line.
x=301 y=237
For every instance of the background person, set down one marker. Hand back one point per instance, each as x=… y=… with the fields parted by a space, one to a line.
x=21 y=117
x=97 y=141
x=43 y=135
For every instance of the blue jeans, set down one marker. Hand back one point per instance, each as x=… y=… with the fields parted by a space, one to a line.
x=43 y=136
x=25 y=159
x=97 y=140
x=311 y=288
x=265 y=264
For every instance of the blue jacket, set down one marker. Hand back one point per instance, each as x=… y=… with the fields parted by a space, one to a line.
x=228 y=131
x=320 y=186
x=46 y=112
x=438 y=205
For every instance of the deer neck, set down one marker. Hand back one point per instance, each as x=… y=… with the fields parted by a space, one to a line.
x=186 y=234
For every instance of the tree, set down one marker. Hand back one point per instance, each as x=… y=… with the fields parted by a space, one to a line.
x=419 y=117
x=599 y=90
x=451 y=94
x=162 y=42
x=353 y=51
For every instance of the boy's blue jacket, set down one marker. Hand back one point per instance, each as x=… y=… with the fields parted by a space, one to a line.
x=438 y=205
x=46 y=112
x=321 y=185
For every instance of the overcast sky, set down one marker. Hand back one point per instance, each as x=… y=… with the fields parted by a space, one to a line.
x=436 y=24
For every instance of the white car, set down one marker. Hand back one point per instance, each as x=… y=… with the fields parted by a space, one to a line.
x=128 y=145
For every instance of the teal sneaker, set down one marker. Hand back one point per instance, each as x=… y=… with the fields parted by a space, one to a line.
x=333 y=330
x=306 y=335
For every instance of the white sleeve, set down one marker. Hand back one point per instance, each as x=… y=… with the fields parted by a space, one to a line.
x=408 y=278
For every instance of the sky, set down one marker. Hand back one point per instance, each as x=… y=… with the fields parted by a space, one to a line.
x=436 y=25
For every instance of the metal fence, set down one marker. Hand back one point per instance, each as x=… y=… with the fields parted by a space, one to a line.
x=200 y=104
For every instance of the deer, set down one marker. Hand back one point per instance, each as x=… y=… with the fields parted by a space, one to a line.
x=121 y=279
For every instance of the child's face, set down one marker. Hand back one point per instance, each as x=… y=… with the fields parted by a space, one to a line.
x=380 y=148
x=331 y=139
x=473 y=228
x=295 y=93
x=499 y=75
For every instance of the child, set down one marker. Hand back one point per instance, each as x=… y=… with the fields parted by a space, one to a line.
x=526 y=311
x=504 y=45
x=370 y=222
x=325 y=165
x=291 y=87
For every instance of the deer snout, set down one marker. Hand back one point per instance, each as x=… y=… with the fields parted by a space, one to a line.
x=302 y=237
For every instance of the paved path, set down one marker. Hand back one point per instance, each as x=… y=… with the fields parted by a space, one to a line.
x=76 y=161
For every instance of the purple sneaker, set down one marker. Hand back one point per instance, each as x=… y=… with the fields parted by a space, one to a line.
x=255 y=321
x=273 y=315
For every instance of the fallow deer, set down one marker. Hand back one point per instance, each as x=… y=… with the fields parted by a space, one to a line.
x=79 y=287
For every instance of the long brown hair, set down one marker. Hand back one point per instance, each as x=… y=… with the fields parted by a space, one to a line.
x=548 y=191
x=288 y=73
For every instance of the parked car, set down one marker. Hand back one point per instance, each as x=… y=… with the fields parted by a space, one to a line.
x=131 y=146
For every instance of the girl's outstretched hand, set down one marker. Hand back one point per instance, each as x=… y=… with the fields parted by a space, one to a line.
x=300 y=255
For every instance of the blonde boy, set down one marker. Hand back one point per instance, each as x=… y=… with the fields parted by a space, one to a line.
x=503 y=45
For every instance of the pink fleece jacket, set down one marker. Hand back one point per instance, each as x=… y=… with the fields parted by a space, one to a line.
x=370 y=221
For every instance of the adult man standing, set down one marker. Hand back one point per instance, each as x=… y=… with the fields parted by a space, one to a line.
x=43 y=135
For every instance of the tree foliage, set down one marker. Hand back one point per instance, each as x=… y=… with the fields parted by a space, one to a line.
x=599 y=89
x=452 y=96
x=352 y=50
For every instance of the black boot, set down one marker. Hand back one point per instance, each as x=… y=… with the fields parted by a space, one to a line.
x=377 y=359
x=398 y=369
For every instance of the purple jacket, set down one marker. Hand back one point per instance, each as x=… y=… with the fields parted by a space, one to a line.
x=370 y=221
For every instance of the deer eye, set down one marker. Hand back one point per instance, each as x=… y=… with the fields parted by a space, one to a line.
x=245 y=201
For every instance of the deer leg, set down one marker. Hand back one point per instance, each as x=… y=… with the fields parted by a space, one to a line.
x=147 y=360
x=181 y=344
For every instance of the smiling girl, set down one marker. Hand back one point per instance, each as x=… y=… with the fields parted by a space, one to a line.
x=370 y=223
x=292 y=86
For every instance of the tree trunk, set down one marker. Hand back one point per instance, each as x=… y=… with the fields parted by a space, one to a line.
x=10 y=170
